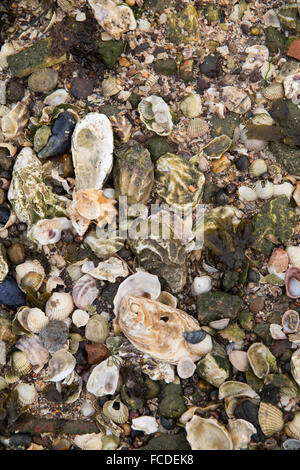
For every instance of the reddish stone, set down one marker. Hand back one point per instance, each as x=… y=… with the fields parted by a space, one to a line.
x=294 y=49
x=97 y=352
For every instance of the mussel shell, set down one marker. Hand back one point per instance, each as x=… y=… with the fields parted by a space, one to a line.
x=10 y=294
x=4 y=215
x=194 y=337
x=60 y=139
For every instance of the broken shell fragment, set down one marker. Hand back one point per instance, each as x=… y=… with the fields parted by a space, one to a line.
x=207 y=434
x=292 y=283
x=92 y=151
x=59 y=306
x=108 y=270
x=80 y=318
x=239 y=360
x=85 y=292
x=257 y=356
x=114 y=16
x=32 y=319
x=13 y=123
x=158 y=330
x=294 y=256
x=155 y=114
x=48 y=231
x=146 y=424
x=270 y=419
x=104 y=378
x=235 y=99
x=31 y=273
x=61 y=365
x=91 y=441
x=233 y=388
x=240 y=432
x=27 y=394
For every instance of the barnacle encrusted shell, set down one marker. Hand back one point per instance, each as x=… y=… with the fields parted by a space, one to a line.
x=90 y=205
x=48 y=231
x=104 y=378
x=36 y=354
x=240 y=432
x=134 y=173
x=292 y=428
x=92 y=151
x=27 y=393
x=30 y=197
x=31 y=273
x=13 y=123
x=138 y=284
x=59 y=306
x=180 y=183
x=108 y=270
x=270 y=419
x=85 y=291
x=155 y=114
x=97 y=329
x=116 y=411
x=61 y=365
x=157 y=329
x=207 y=434
x=235 y=99
x=295 y=366
x=114 y=16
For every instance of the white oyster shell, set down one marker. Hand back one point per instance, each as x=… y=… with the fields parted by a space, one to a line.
x=147 y=424
x=104 y=378
x=48 y=231
x=114 y=16
x=92 y=151
x=61 y=365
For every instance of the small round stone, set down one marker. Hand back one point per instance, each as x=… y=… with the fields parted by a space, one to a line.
x=15 y=91
x=54 y=335
x=43 y=80
x=257 y=304
x=81 y=87
x=16 y=253
x=242 y=164
x=221 y=197
x=167 y=423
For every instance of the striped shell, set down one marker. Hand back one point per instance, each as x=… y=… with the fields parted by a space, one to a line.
x=20 y=364
x=27 y=394
x=197 y=127
x=270 y=419
x=274 y=91
x=59 y=306
x=110 y=87
x=292 y=429
x=11 y=377
x=85 y=292
x=116 y=411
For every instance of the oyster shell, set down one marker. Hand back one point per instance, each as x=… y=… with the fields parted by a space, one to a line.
x=180 y=183
x=157 y=329
x=85 y=292
x=61 y=365
x=147 y=424
x=91 y=441
x=240 y=432
x=92 y=151
x=90 y=205
x=108 y=270
x=114 y=16
x=30 y=197
x=232 y=388
x=235 y=99
x=104 y=378
x=292 y=283
x=290 y=321
x=103 y=243
x=155 y=114
x=257 y=356
x=48 y=231
x=207 y=434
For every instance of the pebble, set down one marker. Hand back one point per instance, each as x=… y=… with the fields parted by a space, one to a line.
x=16 y=253
x=15 y=91
x=43 y=81
x=201 y=285
x=242 y=163
x=97 y=352
x=211 y=66
x=81 y=87
x=257 y=304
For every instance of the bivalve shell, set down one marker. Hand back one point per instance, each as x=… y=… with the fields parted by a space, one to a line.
x=59 y=306
x=292 y=429
x=31 y=273
x=61 y=365
x=85 y=292
x=290 y=321
x=274 y=91
x=27 y=393
x=239 y=360
x=20 y=364
x=104 y=378
x=197 y=127
x=207 y=434
x=240 y=432
x=270 y=419
x=257 y=356
x=97 y=329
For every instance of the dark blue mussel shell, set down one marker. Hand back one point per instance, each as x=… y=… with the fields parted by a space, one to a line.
x=194 y=337
x=4 y=215
x=10 y=294
x=60 y=139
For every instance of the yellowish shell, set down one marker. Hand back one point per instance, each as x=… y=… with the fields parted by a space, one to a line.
x=116 y=411
x=207 y=434
x=274 y=91
x=20 y=364
x=97 y=329
x=292 y=429
x=110 y=87
x=11 y=377
x=31 y=279
x=270 y=419
x=8 y=148
x=197 y=127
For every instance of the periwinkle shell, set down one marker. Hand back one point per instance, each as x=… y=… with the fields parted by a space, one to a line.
x=10 y=294
x=60 y=139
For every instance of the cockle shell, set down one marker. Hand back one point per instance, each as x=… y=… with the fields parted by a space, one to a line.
x=27 y=393
x=13 y=123
x=185 y=368
x=155 y=114
x=97 y=329
x=274 y=91
x=116 y=411
x=158 y=330
x=91 y=441
x=32 y=319
x=147 y=424
x=48 y=231
x=197 y=127
x=240 y=432
x=191 y=105
x=114 y=16
x=270 y=419
x=108 y=270
x=36 y=354
x=140 y=284
x=90 y=205
x=19 y=363
x=207 y=434
x=59 y=306
x=61 y=365
x=104 y=378
x=257 y=356
x=290 y=321
x=292 y=428
x=110 y=87
x=295 y=366
x=24 y=273
x=85 y=292
x=92 y=151
x=292 y=283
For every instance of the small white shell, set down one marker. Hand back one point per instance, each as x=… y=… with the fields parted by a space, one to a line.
x=219 y=324
x=114 y=17
x=276 y=331
x=56 y=98
x=258 y=167
x=27 y=393
x=147 y=424
x=239 y=360
x=80 y=318
x=241 y=432
x=59 y=306
x=158 y=110
x=61 y=365
x=283 y=189
x=264 y=189
x=185 y=368
x=32 y=319
x=247 y=194
x=48 y=231
x=104 y=378
x=201 y=285
x=108 y=270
